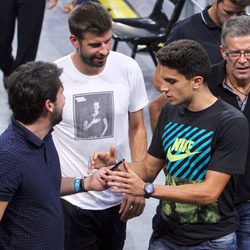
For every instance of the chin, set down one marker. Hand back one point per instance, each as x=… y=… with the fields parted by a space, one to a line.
x=174 y=103
x=242 y=76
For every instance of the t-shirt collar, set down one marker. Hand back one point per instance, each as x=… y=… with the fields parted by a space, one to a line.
x=207 y=19
x=28 y=134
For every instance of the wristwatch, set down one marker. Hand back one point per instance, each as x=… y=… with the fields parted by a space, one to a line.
x=149 y=190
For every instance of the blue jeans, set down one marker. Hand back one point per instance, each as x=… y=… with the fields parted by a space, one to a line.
x=227 y=242
x=243 y=231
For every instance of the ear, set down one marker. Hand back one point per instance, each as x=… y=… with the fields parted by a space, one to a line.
x=197 y=82
x=49 y=106
x=74 y=41
x=223 y=52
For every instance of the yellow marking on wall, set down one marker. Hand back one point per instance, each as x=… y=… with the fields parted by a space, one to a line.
x=118 y=8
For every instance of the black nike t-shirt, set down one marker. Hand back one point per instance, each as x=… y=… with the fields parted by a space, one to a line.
x=192 y=143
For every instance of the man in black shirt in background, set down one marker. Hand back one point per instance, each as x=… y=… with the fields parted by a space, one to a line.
x=230 y=80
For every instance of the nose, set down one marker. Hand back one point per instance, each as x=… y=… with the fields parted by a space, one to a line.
x=104 y=50
x=164 y=88
x=242 y=58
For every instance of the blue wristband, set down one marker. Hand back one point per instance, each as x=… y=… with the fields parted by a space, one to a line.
x=77 y=185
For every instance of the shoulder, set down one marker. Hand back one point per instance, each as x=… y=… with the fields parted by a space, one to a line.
x=8 y=141
x=188 y=28
x=218 y=70
x=230 y=113
x=194 y=19
x=218 y=73
x=122 y=63
x=63 y=60
x=115 y=56
x=219 y=67
x=188 y=22
x=9 y=145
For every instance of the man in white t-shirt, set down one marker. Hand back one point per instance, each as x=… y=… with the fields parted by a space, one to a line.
x=94 y=74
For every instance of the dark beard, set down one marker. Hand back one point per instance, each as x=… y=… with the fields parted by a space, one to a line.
x=56 y=118
x=90 y=61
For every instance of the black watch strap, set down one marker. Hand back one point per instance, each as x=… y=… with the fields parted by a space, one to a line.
x=147 y=195
x=82 y=184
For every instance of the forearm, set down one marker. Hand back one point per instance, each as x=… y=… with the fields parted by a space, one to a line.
x=104 y=130
x=148 y=168
x=96 y=181
x=189 y=193
x=139 y=168
x=86 y=126
x=204 y=193
x=105 y=122
x=138 y=143
x=197 y=193
x=68 y=186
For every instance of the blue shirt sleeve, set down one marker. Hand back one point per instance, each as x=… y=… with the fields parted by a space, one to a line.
x=9 y=176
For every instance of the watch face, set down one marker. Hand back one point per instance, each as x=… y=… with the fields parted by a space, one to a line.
x=149 y=188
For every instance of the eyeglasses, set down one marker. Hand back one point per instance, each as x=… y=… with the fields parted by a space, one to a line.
x=235 y=55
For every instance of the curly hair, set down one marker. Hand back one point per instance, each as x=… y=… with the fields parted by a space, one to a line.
x=29 y=86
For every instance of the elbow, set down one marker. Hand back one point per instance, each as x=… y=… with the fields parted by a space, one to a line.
x=208 y=199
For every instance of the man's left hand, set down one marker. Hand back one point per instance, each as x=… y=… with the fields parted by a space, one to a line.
x=102 y=159
x=131 y=207
x=97 y=181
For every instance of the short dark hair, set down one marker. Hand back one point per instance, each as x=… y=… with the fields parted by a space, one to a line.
x=187 y=57
x=29 y=86
x=89 y=17
x=241 y=3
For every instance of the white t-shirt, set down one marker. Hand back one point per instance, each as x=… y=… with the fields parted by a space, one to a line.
x=95 y=116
